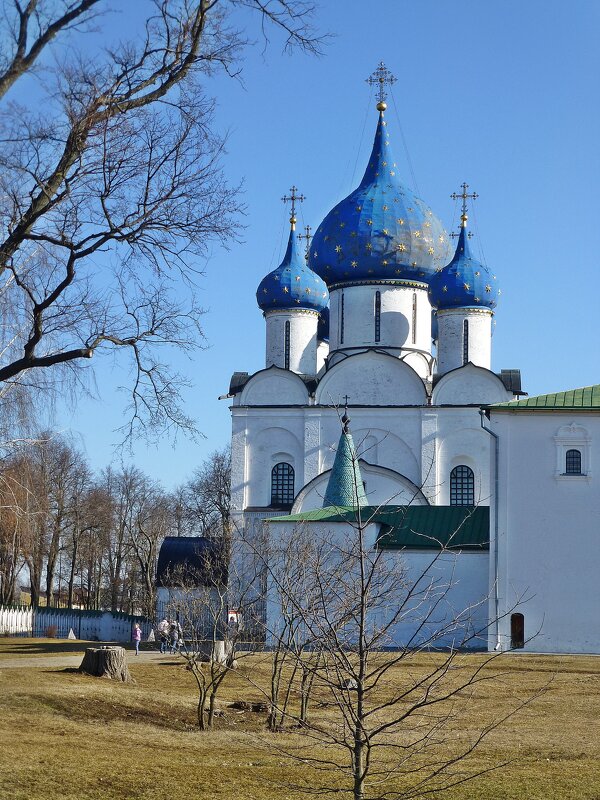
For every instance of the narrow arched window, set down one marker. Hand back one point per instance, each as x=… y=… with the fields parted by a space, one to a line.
x=286 y=345
x=414 y=318
x=377 y=316
x=573 y=462
x=342 y=319
x=465 y=341
x=282 y=485
x=462 y=486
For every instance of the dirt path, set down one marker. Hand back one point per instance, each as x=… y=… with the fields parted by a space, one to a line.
x=70 y=660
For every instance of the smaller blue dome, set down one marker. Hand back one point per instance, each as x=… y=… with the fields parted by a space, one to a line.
x=464 y=282
x=293 y=284
x=323 y=326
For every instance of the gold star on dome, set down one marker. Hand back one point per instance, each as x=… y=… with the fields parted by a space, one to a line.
x=359 y=208
x=342 y=224
x=438 y=269
x=466 y=286
x=385 y=232
x=444 y=288
x=265 y=291
x=275 y=277
x=441 y=239
x=477 y=274
x=298 y=301
x=384 y=163
x=354 y=263
x=369 y=222
x=385 y=262
x=488 y=288
x=286 y=290
x=385 y=208
x=401 y=247
x=431 y=251
x=353 y=233
x=499 y=291
x=392 y=173
x=369 y=246
x=376 y=174
x=400 y=221
x=297 y=277
x=383 y=122
x=494 y=277
x=324 y=294
x=411 y=209
x=307 y=290
x=414 y=264
x=428 y=224
x=477 y=300
x=326 y=238
x=398 y=271
x=338 y=248
x=417 y=234
x=315 y=254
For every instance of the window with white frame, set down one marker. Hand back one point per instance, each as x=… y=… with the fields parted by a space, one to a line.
x=573 y=452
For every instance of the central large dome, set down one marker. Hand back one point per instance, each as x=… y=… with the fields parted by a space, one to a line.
x=382 y=231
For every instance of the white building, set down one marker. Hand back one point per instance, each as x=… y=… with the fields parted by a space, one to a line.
x=386 y=318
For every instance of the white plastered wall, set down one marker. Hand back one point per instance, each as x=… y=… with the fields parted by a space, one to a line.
x=548 y=532
x=303 y=340
x=450 y=341
x=401 y=305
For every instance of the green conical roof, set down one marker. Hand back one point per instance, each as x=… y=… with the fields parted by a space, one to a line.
x=345 y=488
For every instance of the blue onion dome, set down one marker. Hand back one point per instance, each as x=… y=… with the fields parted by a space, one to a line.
x=293 y=284
x=323 y=326
x=381 y=231
x=464 y=282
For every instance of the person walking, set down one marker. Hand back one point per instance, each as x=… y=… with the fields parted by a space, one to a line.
x=174 y=637
x=163 y=630
x=137 y=638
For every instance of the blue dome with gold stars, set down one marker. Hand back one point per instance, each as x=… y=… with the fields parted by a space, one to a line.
x=381 y=231
x=293 y=284
x=464 y=282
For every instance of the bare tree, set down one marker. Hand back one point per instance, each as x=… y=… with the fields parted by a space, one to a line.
x=207 y=496
x=111 y=189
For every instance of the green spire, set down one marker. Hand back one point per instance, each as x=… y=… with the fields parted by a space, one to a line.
x=345 y=488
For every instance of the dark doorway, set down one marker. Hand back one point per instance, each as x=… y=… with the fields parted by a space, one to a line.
x=517 y=631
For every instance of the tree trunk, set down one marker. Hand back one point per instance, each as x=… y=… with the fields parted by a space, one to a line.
x=106 y=662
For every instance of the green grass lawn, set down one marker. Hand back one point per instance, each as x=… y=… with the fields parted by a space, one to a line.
x=66 y=735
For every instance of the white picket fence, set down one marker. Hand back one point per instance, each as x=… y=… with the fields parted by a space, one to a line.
x=101 y=626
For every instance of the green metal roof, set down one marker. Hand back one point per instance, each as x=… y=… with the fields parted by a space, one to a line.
x=345 y=487
x=414 y=527
x=585 y=399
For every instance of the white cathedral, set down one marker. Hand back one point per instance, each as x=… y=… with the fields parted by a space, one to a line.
x=389 y=316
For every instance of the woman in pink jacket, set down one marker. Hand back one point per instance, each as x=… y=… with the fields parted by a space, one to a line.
x=137 y=638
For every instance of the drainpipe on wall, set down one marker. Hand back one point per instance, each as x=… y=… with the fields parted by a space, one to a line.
x=496 y=596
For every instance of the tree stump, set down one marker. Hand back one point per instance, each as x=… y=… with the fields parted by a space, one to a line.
x=106 y=662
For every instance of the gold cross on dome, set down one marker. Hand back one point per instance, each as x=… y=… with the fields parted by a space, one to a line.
x=293 y=199
x=381 y=78
x=464 y=196
x=308 y=237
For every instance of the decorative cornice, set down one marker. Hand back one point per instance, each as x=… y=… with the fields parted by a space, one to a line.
x=465 y=310
x=272 y=311
x=407 y=283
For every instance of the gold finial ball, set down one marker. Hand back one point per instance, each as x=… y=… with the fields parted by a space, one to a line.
x=381 y=106
x=464 y=219
x=293 y=221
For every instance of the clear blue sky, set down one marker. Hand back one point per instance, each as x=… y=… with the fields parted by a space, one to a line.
x=503 y=96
